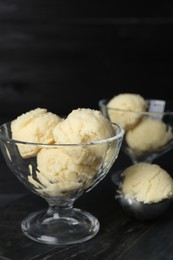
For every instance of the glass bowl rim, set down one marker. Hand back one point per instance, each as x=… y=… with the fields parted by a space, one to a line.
x=107 y=140
x=103 y=103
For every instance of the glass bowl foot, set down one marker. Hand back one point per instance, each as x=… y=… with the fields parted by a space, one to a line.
x=77 y=227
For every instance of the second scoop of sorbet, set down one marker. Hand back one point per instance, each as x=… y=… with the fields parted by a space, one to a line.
x=149 y=135
x=81 y=126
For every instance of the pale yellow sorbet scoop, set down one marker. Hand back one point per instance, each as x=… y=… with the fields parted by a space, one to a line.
x=125 y=108
x=149 y=135
x=147 y=183
x=34 y=126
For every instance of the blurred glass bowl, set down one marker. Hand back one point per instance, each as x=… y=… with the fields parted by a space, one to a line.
x=151 y=135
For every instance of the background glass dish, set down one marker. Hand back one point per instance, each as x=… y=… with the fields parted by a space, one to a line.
x=161 y=110
x=60 y=224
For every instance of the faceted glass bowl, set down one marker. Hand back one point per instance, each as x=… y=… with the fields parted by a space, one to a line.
x=55 y=174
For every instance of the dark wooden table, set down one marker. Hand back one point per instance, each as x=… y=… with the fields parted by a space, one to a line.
x=119 y=238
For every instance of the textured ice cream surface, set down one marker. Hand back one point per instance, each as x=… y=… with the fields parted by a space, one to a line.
x=149 y=135
x=84 y=125
x=76 y=159
x=132 y=104
x=147 y=183
x=34 y=126
x=59 y=175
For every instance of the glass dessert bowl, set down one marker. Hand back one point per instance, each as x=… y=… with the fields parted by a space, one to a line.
x=56 y=173
x=148 y=133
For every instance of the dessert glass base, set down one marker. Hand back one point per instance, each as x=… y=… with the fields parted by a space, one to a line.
x=55 y=228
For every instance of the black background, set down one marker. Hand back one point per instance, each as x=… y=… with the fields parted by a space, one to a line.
x=62 y=55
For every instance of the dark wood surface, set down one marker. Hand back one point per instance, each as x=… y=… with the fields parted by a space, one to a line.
x=120 y=237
